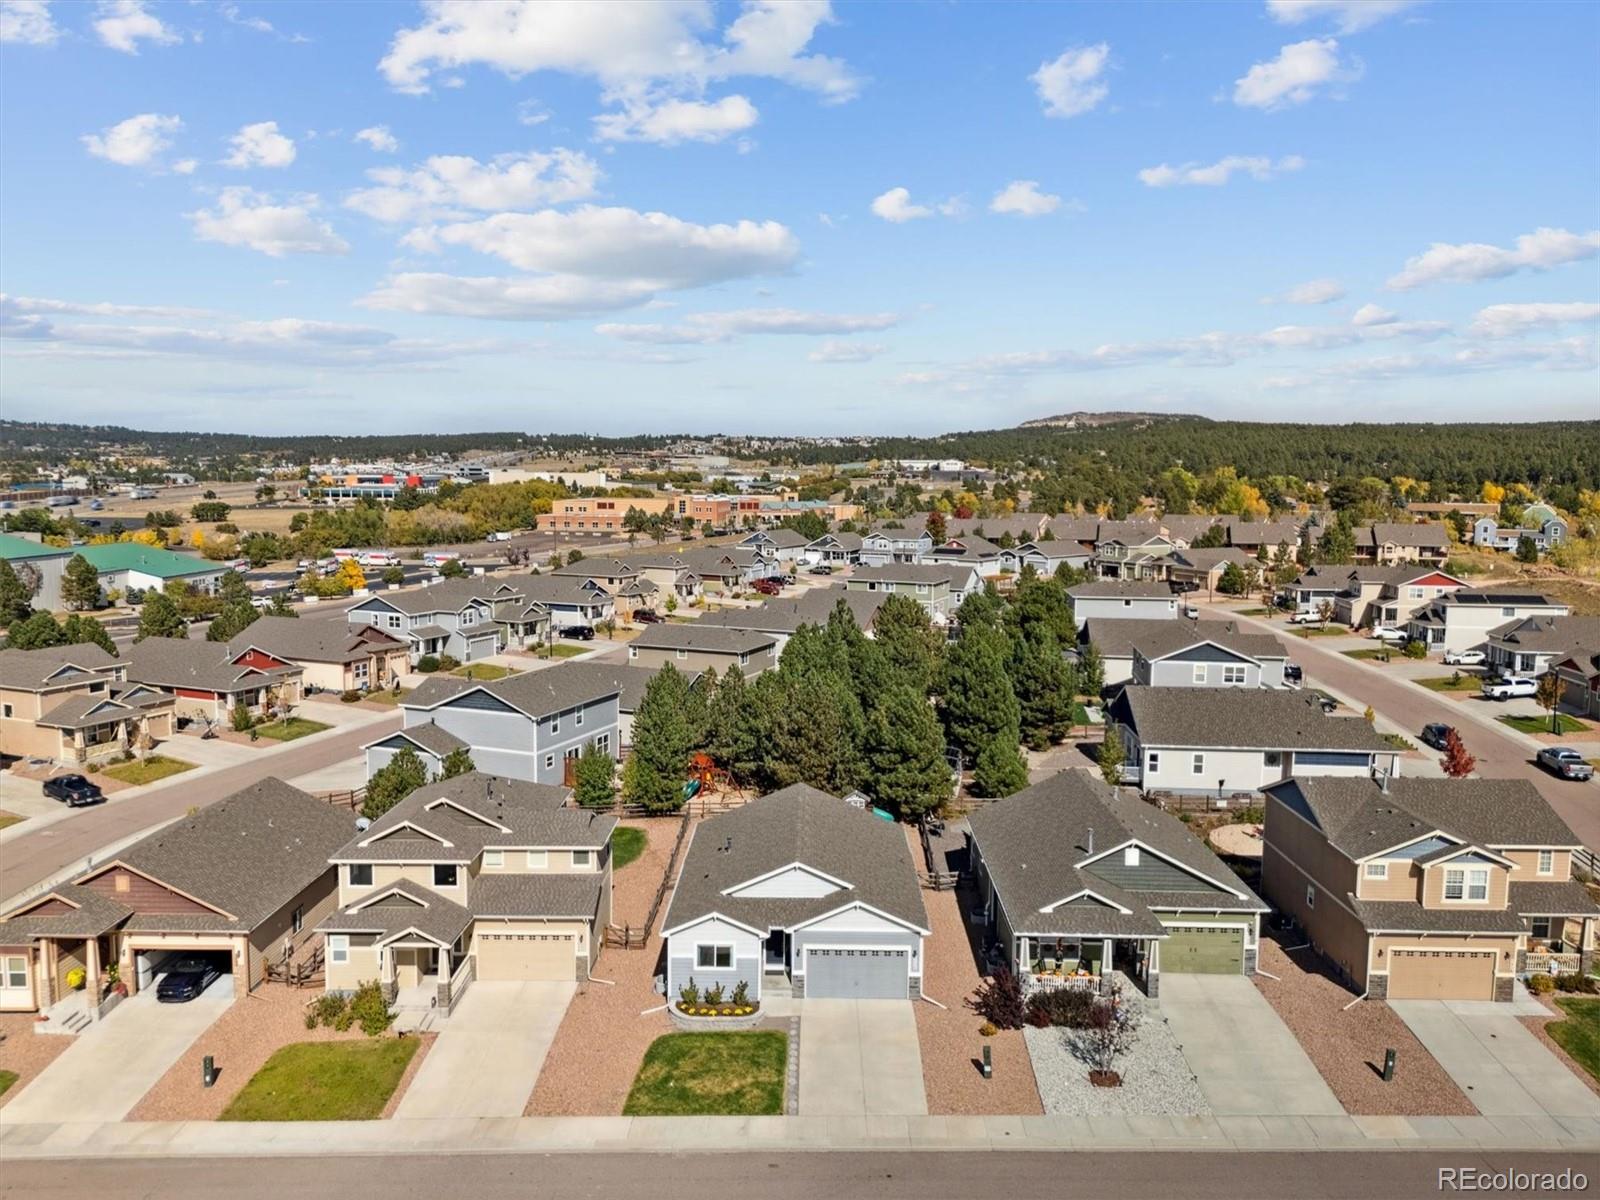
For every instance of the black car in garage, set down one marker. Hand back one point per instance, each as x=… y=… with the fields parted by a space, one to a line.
x=186 y=978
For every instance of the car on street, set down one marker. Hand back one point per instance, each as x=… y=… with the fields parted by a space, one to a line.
x=1435 y=735
x=186 y=979
x=1388 y=633
x=821 y=569
x=645 y=617
x=580 y=633
x=1464 y=658
x=1510 y=689
x=74 y=791
x=1565 y=762
x=1191 y=611
x=767 y=587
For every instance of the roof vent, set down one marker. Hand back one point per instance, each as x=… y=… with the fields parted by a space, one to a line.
x=363 y=824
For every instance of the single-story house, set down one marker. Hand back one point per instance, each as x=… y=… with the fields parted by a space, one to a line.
x=1122 y=599
x=208 y=680
x=1046 y=556
x=333 y=656
x=1534 y=645
x=1202 y=569
x=781 y=616
x=697 y=647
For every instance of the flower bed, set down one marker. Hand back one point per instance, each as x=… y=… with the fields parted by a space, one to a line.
x=719 y=1010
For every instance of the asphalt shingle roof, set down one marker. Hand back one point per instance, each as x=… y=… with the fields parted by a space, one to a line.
x=431 y=738
x=312 y=640
x=1156 y=637
x=530 y=894
x=30 y=670
x=1407 y=916
x=711 y=639
x=813 y=607
x=538 y=693
x=79 y=712
x=1266 y=719
x=1120 y=589
x=91 y=915
x=953 y=574
x=439 y=918
x=1567 y=899
x=190 y=662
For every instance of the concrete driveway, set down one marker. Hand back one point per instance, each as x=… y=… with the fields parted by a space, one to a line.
x=490 y=1053
x=860 y=1058
x=1247 y=1061
x=109 y=1068
x=1496 y=1061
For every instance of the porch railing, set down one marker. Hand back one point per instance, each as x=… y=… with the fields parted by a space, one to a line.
x=1044 y=983
x=1545 y=962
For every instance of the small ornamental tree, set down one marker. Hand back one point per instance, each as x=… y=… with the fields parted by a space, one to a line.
x=457 y=762
x=37 y=632
x=1457 y=763
x=1549 y=696
x=393 y=782
x=1111 y=757
x=594 y=785
x=159 y=617
x=1233 y=581
x=451 y=568
x=998 y=1000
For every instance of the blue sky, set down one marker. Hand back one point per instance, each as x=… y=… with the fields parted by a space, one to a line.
x=795 y=218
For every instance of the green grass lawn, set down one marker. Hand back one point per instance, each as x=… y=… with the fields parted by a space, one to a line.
x=1541 y=724
x=483 y=672
x=8 y=819
x=388 y=696
x=1579 y=1034
x=148 y=770
x=1369 y=654
x=288 y=731
x=732 y=1074
x=1322 y=631
x=1255 y=612
x=7 y=1079
x=627 y=843
x=324 y=1081
x=1450 y=683
x=559 y=650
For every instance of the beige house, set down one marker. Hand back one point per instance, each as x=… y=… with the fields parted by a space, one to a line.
x=1428 y=889
x=1389 y=595
x=694 y=648
x=475 y=877
x=1389 y=543
x=73 y=705
x=333 y=656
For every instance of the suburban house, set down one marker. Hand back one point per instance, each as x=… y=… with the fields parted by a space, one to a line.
x=799 y=891
x=834 y=550
x=671 y=575
x=1224 y=742
x=1428 y=889
x=1077 y=881
x=567 y=601
x=1271 y=539
x=332 y=656
x=939 y=588
x=455 y=617
x=208 y=680
x=1464 y=619
x=1082 y=532
x=125 y=566
x=243 y=882
x=1534 y=645
x=1187 y=528
x=1120 y=599
x=1045 y=556
x=891 y=542
x=1580 y=677
x=1202 y=569
x=531 y=726
x=73 y=705
x=1137 y=558
x=781 y=616
x=1548 y=533
x=1389 y=595
x=1012 y=527
x=1388 y=543
x=610 y=573
x=1185 y=654
x=696 y=647
x=982 y=555
x=1318 y=585
x=784 y=546
x=472 y=878
x=39 y=566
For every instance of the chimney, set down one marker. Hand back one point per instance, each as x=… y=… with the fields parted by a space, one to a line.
x=1089 y=849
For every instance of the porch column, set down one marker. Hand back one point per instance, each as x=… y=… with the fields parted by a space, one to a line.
x=1024 y=959
x=1586 y=947
x=91 y=986
x=1105 y=964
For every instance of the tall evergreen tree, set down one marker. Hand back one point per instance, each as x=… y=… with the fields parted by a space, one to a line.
x=15 y=599
x=80 y=583
x=732 y=737
x=1000 y=770
x=814 y=734
x=595 y=783
x=662 y=740
x=78 y=629
x=1045 y=685
x=37 y=632
x=911 y=648
x=1091 y=672
x=236 y=616
x=977 y=698
x=393 y=782
x=905 y=754
x=159 y=617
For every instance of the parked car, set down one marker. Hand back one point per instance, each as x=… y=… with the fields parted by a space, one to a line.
x=767 y=587
x=645 y=617
x=822 y=569
x=74 y=791
x=1191 y=611
x=1434 y=735
x=1327 y=703
x=186 y=979
x=1464 y=658
x=1565 y=762
x=581 y=633
x=1509 y=689
x=1388 y=633
x=1306 y=616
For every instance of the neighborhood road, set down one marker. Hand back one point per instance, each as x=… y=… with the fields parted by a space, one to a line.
x=878 y=1175
x=27 y=860
x=1500 y=755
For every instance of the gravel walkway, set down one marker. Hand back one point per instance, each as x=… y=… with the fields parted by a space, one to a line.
x=1156 y=1080
x=1347 y=1047
x=241 y=1041
x=948 y=1037
x=26 y=1052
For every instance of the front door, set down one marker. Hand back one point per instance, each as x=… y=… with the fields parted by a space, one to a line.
x=407 y=971
x=777 y=950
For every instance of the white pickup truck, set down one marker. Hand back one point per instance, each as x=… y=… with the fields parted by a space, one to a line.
x=1510 y=689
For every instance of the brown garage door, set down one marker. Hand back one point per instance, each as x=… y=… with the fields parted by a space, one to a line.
x=1441 y=974
x=503 y=956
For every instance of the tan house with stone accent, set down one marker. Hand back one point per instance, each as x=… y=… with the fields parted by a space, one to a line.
x=475 y=877
x=1428 y=889
x=74 y=705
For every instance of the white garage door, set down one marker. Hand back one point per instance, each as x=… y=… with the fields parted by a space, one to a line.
x=857 y=974
x=519 y=956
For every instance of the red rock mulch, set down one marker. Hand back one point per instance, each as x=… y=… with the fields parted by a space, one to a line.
x=26 y=1052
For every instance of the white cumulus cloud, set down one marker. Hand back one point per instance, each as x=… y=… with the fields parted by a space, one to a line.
x=260 y=145
x=379 y=138
x=1218 y=173
x=1072 y=84
x=1299 y=72
x=1372 y=314
x=244 y=217
x=137 y=142
x=1510 y=320
x=1350 y=16
x=1022 y=198
x=27 y=22
x=672 y=121
x=1470 y=262
x=123 y=24
x=449 y=186
x=895 y=205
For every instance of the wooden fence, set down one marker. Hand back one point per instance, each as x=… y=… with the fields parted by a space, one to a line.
x=350 y=798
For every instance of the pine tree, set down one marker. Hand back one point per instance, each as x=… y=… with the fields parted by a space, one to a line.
x=905 y=751
x=731 y=727
x=1111 y=757
x=1045 y=686
x=662 y=741
x=1091 y=672
x=393 y=782
x=78 y=630
x=35 y=633
x=1000 y=769
x=15 y=599
x=233 y=588
x=594 y=783
x=80 y=583
x=236 y=616
x=159 y=617
x=977 y=698
x=910 y=646
x=457 y=762
x=281 y=606
x=1233 y=581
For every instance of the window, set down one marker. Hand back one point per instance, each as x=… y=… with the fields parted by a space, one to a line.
x=16 y=972
x=1466 y=885
x=298 y=920
x=1199 y=672
x=1454 y=884
x=493 y=860
x=469 y=617
x=580 y=858
x=538 y=860
x=744 y=660
x=683 y=654
x=1233 y=675
x=338 y=947
x=549 y=762
x=713 y=958
x=1547 y=862
x=1127 y=604
x=555 y=723
x=1416 y=593
x=577 y=717
x=1198 y=764
x=1377 y=870
x=1478 y=884
x=1153 y=761
x=6 y=711
x=633 y=652
x=603 y=743
x=360 y=874
x=1539 y=927
x=1311 y=896
x=121 y=883
x=444 y=874
x=394 y=620
x=1130 y=856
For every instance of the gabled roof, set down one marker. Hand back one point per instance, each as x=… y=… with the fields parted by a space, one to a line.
x=1207 y=558
x=711 y=639
x=538 y=693
x=598 y=568
x=306 y=640
x=568 y=590
x=430 y=737
x=88 y=914
x=797 y=825
x=85 y=712
x=1120 y=589
x=785 y=614
x=37 y=670
x=847 y=542
x=956 y=575
x=1423 y=535
x=1239 y=718
x=394 y=910
x=1559 y=636
x=451 y=596
x=1158 y=637
x=190 y=662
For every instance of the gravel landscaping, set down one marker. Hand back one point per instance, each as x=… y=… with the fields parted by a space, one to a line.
x=1347 y=1046
x=1156 y=1080
x=24 y=1052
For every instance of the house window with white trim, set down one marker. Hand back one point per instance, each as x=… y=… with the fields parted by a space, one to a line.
x=713 y=957
x=633 y=652
x=444 y=875
x=297 y=920
x=682 y=654
x=1466 y=885
x=1233 y=675
x=555 y=723
x=603 y=743
x=577 y=717
x=549 y=762
x=580 y=858
x=1455 y=884
x=1154 y=761
x=1198 y=764
x=338 y=947
x=1377 y=870
x=360 y=874
x=1547 y=862
x=16 y=972
x=538 y=860
x=1199 y=672
x=1130 y=856
x=493 y=860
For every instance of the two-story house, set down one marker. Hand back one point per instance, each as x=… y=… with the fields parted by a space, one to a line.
x=1273 y=539
x=1389 y=543
x=783 y=546
x=1122 y=599
x=1464 y=619
x=698 y=646
x=1545 y=535
x=1528 y=648
x=671 y=574
x=892 y=542
x=1044 y=555
x=1143 y=558
x=478 y=877
x=970 y=550
x=74 y=705
x=1185 y=654
x=1231 y=741
x=531 y=726
x=566 y=601
x=455 y=617
x=208 y=680
x=1389 y=595
x=333 y=656
x=1428 y=889
x=834 y=550
x=940 y=588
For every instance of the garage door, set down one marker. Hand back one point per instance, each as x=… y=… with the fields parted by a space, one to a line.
x=514 y=956
x=857 y=974
x=1198 y=950
x=1441 y=974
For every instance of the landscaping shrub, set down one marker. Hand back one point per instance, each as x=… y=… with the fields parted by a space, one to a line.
x=328 y=1008
x=1415 y=650
x=713 y=995
x=999 y=999
x=427 y=664
x=1072 y=1008
x=988 y=1029
x=240 y=718
x=689 y=993
x=741 y=993
x=369 y=1008
x=448 y=662
x=1573 y=982
x=1541 y=984
x=345 y=1019
x=350 y=696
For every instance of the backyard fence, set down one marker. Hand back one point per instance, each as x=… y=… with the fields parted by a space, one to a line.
x=350 y=798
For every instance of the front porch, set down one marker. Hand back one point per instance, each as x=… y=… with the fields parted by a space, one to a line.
x=1558 y=945
x=423 y=980
x=1051 y=961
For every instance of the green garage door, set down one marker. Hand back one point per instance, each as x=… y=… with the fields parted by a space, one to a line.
x=1199 y=950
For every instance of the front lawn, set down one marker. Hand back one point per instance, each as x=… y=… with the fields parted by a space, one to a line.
x=288 y=731
x=1322 y=631
x=734 y=1074
x=7 y=1078
x=483 y=672
x=1565 y=724
x=148 y=770
x=325 y=1081
x=387 y=696
x=1369 y=654
x=7 y=819
x=1398 y=742
x=560 y=650
x=627 y=843
x=1452 y=683
x=1579 y=1034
